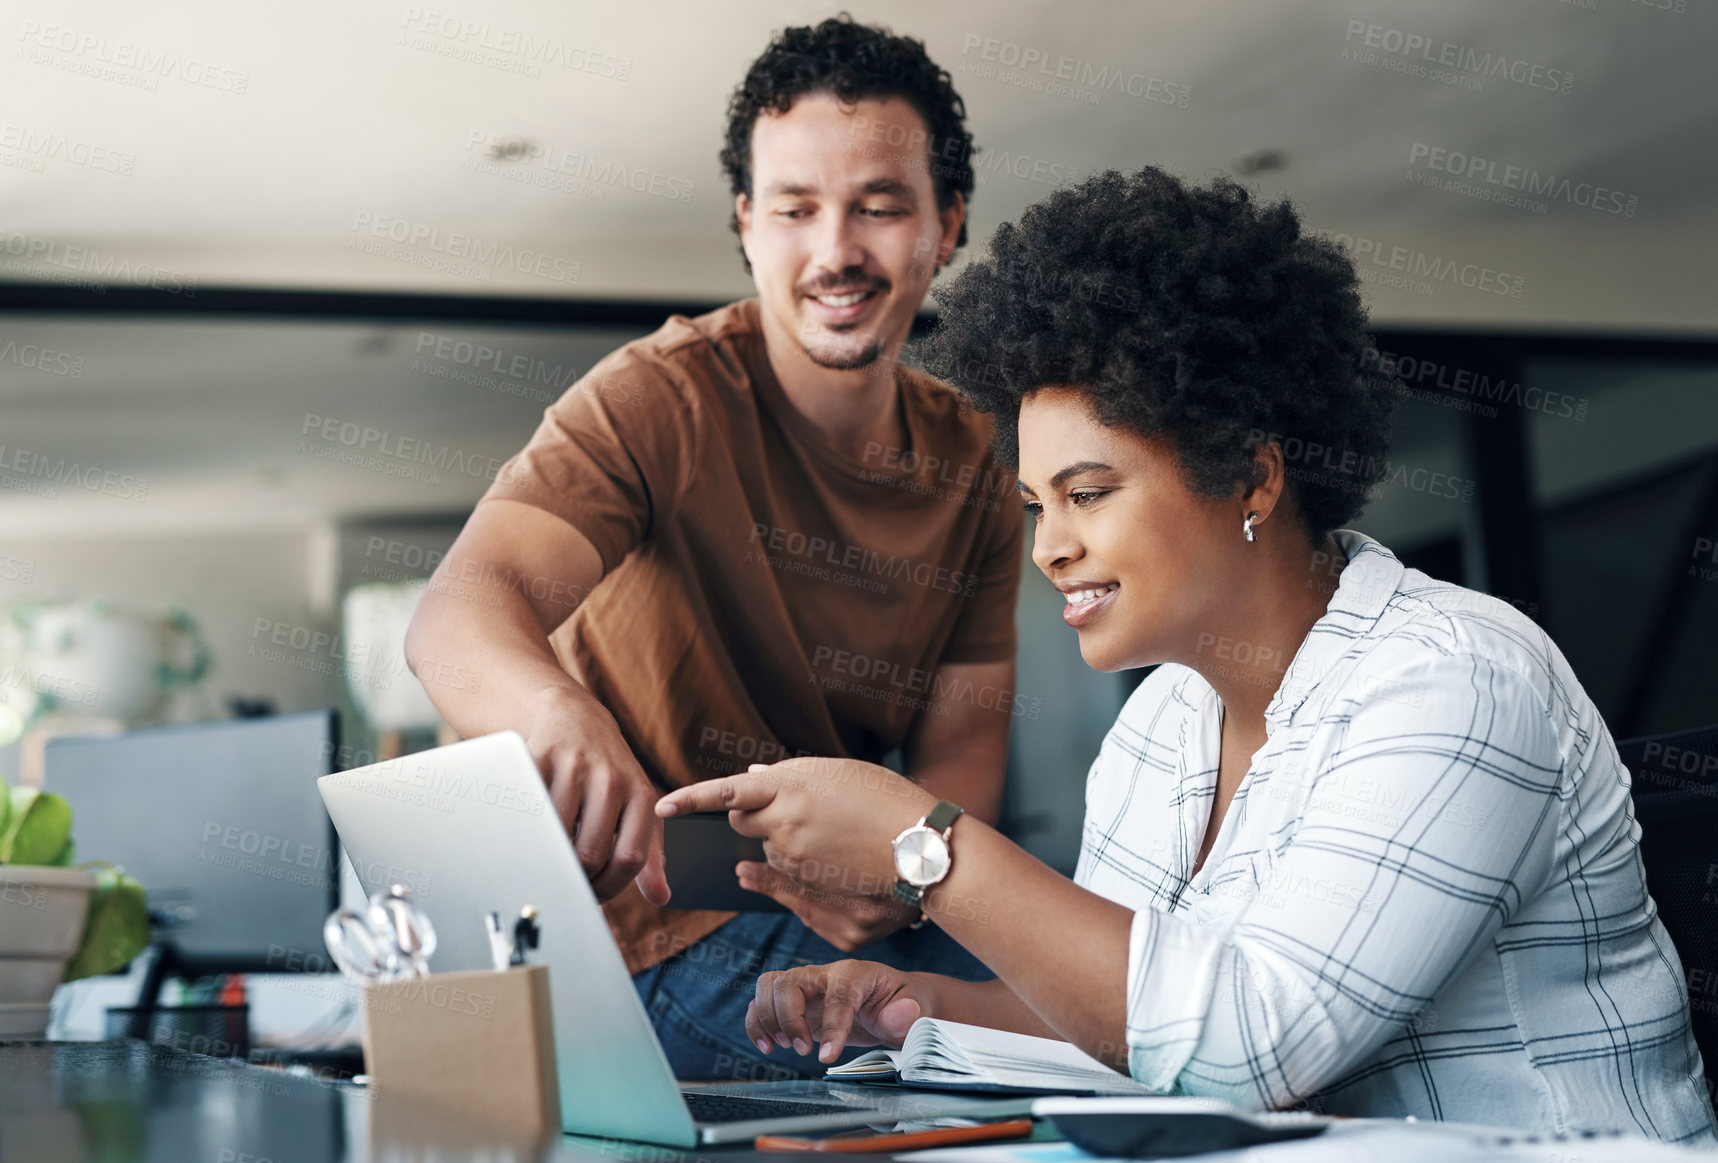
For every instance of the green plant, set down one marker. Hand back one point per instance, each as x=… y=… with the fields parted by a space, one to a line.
x=36 y=829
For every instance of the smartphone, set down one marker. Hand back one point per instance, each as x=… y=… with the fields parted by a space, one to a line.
x=701 y=850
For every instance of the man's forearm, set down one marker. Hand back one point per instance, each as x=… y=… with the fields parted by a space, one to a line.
x=484 y=664
x=479 y=641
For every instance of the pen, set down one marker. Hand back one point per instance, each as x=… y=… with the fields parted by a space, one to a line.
x=525 y=934
x=902 y=1141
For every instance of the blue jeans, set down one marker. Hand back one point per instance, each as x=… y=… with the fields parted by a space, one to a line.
x=697 y=998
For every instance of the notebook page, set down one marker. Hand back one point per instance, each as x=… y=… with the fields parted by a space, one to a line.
x=944 y=1051
x=868 y=1065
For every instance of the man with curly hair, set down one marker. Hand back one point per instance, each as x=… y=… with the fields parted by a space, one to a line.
x=754 y=534
x=1360 y=843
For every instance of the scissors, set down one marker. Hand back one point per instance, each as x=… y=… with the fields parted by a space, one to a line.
x=390 y=940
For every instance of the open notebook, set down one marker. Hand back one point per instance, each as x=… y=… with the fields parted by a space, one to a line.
x=954 y=1056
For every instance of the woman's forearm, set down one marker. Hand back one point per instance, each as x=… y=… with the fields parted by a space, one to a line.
x=1061 y=950
x=979 y=1003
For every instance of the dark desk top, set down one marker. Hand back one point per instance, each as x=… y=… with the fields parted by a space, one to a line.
x=131 y=1102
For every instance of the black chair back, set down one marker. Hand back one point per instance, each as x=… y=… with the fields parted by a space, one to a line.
x=1676 y=804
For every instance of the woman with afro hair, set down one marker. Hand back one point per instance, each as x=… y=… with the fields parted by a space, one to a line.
x=1360 y=843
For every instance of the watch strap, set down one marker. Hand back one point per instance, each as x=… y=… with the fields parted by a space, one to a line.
x=943 y=816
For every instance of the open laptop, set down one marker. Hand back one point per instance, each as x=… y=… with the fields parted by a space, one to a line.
x=471 y=825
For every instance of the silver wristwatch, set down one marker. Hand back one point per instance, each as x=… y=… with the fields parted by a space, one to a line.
x=922 y=853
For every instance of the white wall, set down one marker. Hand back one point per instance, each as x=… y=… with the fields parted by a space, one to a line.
x=227 y=580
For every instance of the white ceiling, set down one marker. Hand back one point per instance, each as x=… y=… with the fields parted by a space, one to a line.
x=347 y=118
x=236 y=424
x=263 y=424
x=344 y=119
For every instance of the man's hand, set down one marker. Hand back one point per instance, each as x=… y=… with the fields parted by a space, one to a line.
x=858 y=1002
x=846 y=922
x=604 y=799
x=600 y=793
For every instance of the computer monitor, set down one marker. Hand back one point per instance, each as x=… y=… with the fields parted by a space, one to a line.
x=223 y=826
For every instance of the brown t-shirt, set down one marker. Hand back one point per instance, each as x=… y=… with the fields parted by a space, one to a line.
x=764 y=595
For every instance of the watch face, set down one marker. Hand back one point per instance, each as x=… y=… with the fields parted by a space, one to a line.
x=921 y=857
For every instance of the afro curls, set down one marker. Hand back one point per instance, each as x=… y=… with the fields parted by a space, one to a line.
x=1188 y=314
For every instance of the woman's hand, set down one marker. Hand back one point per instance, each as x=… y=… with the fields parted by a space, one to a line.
x=857 y=1002
x=827 y=824
x=846 y=922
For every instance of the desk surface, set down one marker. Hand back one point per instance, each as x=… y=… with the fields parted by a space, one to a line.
x=130 y=1102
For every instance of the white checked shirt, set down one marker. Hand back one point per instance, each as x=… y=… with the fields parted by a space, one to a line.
x=1427 y=896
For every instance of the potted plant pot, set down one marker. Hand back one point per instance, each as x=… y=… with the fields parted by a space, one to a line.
x=42 y=914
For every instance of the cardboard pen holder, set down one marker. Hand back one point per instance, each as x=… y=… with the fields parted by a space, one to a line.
x=479 y=1045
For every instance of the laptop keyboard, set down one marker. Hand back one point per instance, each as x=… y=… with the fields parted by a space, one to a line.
x=732 y=1108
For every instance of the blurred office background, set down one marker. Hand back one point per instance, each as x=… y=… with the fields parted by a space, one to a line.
x=225 y=229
